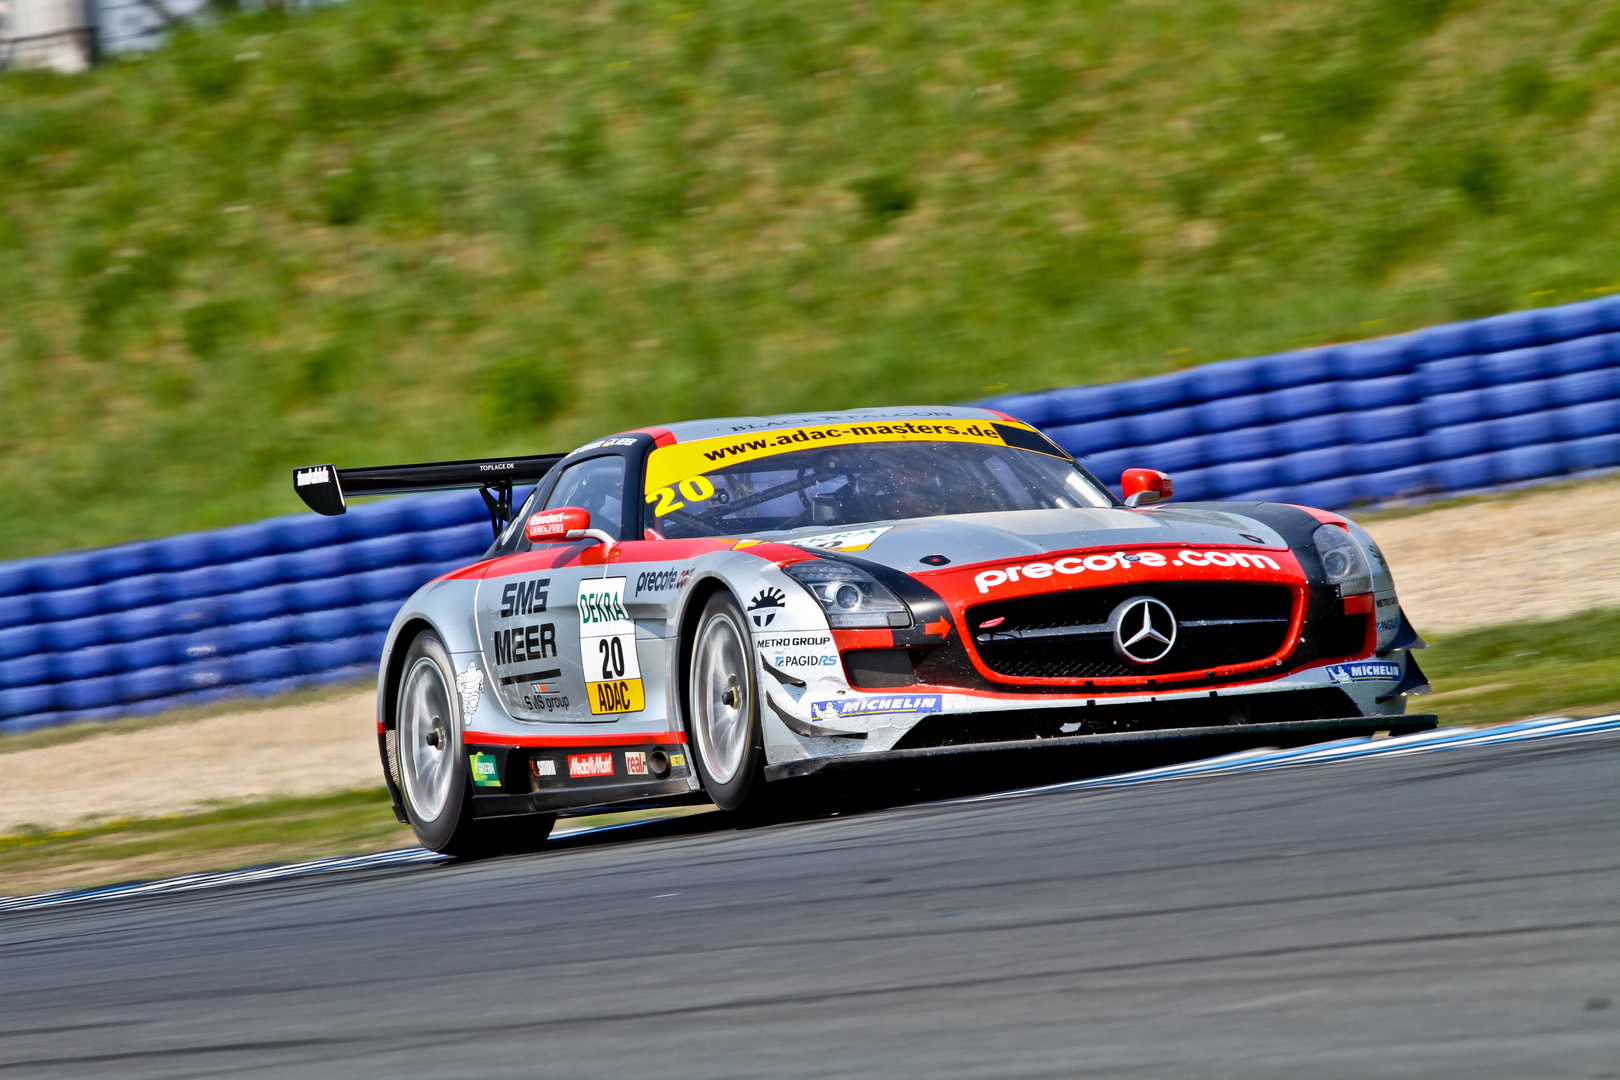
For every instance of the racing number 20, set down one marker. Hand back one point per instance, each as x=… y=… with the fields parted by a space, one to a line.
x=696 y=488
x=612 y=649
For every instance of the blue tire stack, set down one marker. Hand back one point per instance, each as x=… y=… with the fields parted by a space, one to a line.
x=257 y=609
x=1518 y=397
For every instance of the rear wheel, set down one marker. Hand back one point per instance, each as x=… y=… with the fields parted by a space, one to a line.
x=433 y=763
x=723 y=706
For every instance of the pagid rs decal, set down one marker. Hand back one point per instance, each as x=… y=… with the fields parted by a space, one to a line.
x=1121 y=560
x=789 y=661
x=1364 y=671
x=895 y=705
x=607 y=646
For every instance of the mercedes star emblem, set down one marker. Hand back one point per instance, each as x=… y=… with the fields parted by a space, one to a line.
x=1144 y=630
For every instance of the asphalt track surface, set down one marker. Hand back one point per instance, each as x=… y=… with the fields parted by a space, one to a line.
x=1452 y=914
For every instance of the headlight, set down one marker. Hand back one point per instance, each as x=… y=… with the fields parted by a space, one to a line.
x=1342 y=558
x=853 y=598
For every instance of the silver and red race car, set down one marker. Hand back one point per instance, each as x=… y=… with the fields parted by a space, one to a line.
x=710 y=609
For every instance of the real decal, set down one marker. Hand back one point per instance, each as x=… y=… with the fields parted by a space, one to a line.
x=635 y=762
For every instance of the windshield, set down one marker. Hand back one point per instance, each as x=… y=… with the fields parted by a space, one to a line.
x=858 y=482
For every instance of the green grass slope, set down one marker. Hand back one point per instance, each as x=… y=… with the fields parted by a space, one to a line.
x=419 y=229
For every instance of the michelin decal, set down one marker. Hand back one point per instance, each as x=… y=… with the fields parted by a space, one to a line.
x=1364 y=671
x=896 y=705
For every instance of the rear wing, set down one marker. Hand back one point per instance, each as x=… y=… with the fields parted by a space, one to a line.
x=325 y=489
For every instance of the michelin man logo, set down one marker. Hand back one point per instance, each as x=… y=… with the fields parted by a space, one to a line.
x=470 y=684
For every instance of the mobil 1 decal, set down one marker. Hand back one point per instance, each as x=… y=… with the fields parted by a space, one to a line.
x=607 y=646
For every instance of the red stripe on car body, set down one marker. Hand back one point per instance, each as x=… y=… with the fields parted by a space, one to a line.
x=629 y=738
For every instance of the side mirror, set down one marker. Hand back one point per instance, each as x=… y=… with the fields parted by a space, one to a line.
x=563 y=523
x=1145 y=486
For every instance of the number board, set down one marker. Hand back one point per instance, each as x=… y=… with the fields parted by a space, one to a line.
x=607 y=645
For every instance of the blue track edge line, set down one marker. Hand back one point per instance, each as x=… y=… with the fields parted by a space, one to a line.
x=1344 y=750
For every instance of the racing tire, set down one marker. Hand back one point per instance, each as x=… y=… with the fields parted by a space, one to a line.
x=434 y=784
x=723 y=707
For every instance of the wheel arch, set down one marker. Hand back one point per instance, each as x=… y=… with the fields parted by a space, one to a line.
x=696 y=601
x=387 y=703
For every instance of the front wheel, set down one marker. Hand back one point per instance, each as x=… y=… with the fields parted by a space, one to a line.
x=723 y=706
x=433 y=763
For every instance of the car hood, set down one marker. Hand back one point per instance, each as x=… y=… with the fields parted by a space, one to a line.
x=965 y=539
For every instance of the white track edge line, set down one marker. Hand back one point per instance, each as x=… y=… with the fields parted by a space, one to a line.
x=1344 y=750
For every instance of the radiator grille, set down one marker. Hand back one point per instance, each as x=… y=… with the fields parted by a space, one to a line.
x=1064 y=636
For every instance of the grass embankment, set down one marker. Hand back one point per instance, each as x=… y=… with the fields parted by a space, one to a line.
x=229 y=838
x=419 y=229
x=1567 y=666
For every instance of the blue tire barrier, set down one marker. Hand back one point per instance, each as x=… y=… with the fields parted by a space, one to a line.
x=153 y=652
x=1379 y=425
x=1230 y=413
x=301 y=600
x=264 y=603
x=1448 y=376
x=77 y=633
x=1311 y=465
x=68 y=603
x=140 y=590
x=1461 y=407
x=1515 y=398
x=16 y=610
x=25 y=670
x=1297 y=401
x=1525 y=463
x=1457 y=440
x=185 y=552
x=1465 y=473
x=1597 y=452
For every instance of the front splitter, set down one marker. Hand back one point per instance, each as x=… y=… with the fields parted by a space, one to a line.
x=1238 y=735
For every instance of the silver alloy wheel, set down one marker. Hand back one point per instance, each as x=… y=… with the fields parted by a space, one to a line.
x=428 y=738
x=720 y=698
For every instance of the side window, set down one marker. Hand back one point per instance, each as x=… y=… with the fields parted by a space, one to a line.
x=596 y=485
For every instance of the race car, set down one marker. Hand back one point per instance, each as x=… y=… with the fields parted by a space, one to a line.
x=709 y=609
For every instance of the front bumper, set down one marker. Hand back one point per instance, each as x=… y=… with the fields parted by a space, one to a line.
x=1221 y=739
